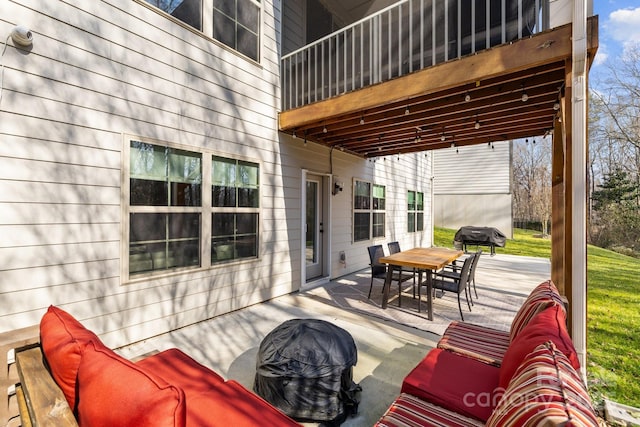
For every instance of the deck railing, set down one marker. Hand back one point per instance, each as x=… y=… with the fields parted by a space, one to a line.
x=403 y=38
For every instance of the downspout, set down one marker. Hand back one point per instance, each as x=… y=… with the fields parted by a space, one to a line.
x=579 y=189
x=432 y=209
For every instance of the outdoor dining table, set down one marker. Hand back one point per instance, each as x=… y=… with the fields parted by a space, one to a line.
x=425 y=260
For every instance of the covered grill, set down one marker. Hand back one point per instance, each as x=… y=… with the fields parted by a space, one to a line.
x=304 y=368
x=480 y=236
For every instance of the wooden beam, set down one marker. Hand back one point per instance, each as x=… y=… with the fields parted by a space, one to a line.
x=543 y=48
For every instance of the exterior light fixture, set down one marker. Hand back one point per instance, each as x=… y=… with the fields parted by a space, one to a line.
x=324 y=129
x=477 y=125
x=556 y=106
x=406 y=112
x=524 y=97
x=294 y=134
x=467 y=97
x=442 y=138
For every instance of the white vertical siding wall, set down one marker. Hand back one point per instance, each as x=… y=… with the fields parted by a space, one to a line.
x=104 y=68
x=472 y=186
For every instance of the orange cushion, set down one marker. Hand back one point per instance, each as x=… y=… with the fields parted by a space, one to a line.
x=457 y=383
x=179 y=369
x=113 y=391
x=62 y=339
x=548 y=325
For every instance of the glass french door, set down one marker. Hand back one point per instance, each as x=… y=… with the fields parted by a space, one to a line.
x=314 y=227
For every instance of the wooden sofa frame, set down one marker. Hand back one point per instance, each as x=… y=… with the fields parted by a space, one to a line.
x=32 y=396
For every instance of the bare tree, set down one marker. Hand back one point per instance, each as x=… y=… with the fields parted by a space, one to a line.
x=532 y=181
x=614 y=151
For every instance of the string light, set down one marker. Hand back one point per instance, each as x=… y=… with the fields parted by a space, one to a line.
x=467 y=97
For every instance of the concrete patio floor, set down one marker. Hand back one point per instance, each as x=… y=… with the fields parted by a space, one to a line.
x=389 y=342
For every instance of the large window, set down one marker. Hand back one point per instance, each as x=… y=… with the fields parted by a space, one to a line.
x=415 y=211
x=368 y=211
x=166 y=213
x=236 y=23
x=165 y=188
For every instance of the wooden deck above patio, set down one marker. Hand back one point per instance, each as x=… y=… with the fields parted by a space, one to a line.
x=515 y=90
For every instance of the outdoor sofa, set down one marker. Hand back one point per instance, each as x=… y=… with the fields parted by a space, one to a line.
x=70 y=377
x=477 y=376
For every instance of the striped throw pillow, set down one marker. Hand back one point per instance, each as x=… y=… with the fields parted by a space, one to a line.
x=542 y=296
x=545 y=390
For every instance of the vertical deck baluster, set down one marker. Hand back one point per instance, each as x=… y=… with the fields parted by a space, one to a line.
x=362 y=55
x=322 y=57
x=488 y=24
x=503 y=21
x=410 y=47
x=353 y=58
x=346 y=63
x=421 y=34
x=433 y=32
x=519 y=19
x=389 y=26
x=459 y=35
x=473 y=26
x=446 y=31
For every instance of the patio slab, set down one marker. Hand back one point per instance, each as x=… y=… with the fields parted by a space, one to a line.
x=389 y=344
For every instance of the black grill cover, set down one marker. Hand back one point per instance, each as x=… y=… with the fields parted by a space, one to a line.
x=480 y=236
x=304 y=368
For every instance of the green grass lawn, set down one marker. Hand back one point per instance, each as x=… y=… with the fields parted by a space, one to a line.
x=613 y=314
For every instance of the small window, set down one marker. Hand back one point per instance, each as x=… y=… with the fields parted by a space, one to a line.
x=415 y=211
x=235 y=202
x=368 y=211
x=236 y=23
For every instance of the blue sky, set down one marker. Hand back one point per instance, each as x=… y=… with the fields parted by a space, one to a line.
x=619 y=28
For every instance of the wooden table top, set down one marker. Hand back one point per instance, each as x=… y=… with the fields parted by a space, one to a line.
x=423 y=258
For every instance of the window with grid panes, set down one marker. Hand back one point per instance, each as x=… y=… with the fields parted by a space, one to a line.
x=368 y=210
x=235 y=201
x=415 y=211
x=166 y=212
x=165 y=208
x=236 y=23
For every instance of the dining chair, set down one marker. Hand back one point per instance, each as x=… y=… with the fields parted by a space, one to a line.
x=394 y=248
x=456 y=285
x=379 y=271
x=453 y=271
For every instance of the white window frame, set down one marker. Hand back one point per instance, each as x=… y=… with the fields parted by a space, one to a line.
x=206 y=210
x=415 y=212
x=371 y=211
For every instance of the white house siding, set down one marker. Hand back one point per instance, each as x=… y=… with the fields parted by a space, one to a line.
x=472 y=186
x=105 y=68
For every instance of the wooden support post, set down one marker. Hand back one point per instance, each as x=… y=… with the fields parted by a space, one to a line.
x=567 y=121
x=557 y=200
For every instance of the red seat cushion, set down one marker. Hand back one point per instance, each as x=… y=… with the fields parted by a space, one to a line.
x=548 y=325
x=115 y=392
x=209 y=399
x=230 y=404
x=457 y=383
x=62 y=339
x=179 y=369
